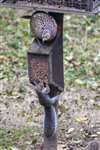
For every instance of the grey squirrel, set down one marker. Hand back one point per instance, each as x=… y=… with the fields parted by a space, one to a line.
x=49 y=103
x=50 y=121
x=44 y=97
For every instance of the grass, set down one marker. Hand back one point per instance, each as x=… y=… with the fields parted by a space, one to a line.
x=10 y=138
x=81 y=49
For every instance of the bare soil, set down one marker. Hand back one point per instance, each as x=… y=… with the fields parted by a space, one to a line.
x=79 y=114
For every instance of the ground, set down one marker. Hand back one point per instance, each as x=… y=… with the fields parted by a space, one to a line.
x=21 y=116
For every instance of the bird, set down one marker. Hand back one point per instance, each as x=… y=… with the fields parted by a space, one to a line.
x=43 y=26
x=93 y=145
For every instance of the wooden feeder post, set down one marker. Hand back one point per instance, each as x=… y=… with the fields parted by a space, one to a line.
x=50 y=60
x=51 y=142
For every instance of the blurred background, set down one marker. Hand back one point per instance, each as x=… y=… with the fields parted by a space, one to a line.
x=21 y=116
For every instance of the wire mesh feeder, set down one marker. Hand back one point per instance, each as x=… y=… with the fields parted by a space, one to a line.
x=78 y=4
x=61 y=6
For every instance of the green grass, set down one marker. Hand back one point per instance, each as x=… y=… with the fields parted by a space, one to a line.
x=10 y=138
x=81 y=49
x=14 y=42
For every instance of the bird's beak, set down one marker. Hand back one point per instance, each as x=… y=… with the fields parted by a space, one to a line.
x=46 y=37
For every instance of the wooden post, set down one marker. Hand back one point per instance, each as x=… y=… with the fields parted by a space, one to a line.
x=50 y=143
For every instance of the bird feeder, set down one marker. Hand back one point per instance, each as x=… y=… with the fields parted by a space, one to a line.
x=45 y=65
x=46 y=60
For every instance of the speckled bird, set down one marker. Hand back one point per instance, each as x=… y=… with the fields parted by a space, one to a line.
x=43 y=26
